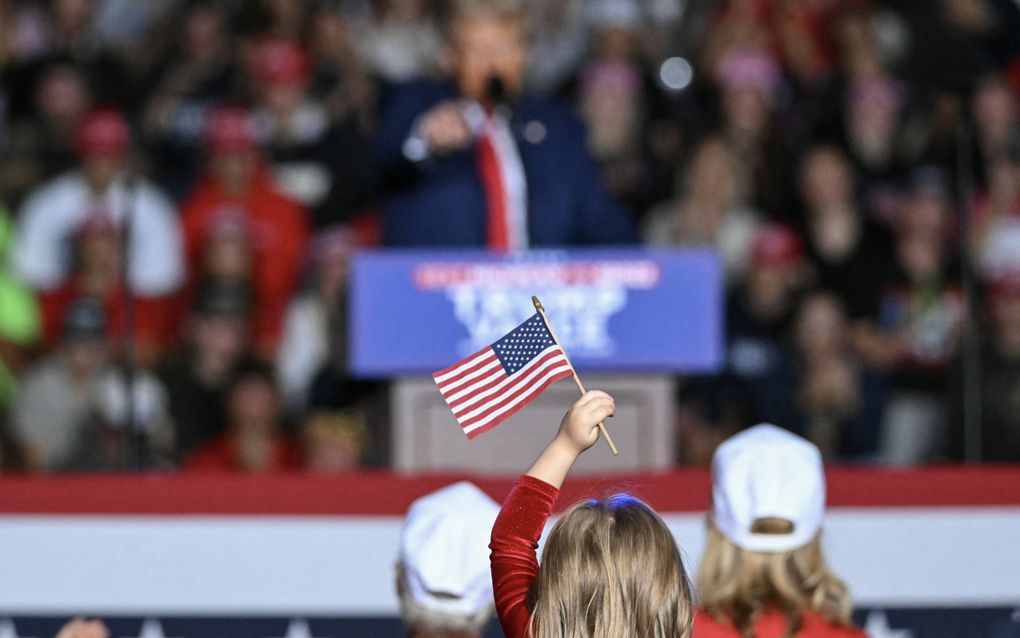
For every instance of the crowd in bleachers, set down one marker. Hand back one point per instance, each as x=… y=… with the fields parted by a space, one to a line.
x=183 y=182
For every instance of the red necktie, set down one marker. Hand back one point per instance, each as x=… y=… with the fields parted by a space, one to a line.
x=497 y=236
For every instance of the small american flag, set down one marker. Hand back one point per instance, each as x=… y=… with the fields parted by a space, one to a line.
x=498 y=380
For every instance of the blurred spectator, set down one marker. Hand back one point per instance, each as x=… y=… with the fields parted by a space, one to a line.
x=315 y=328
x=41 y=146
x=125 y=26
x=19 y=319
x=1001 y=372
x=334 y=441
x=851 y=253
x=60 y=391
x=316 y=160
x=708 y=210
x=709 y=410
x=253 y=439
x=237 y=201
x=346 y=89
x=97 y=246
x=1000 y=376
x=398 y=40
x=735 y=24
x=997 y=213
x=869 y=38
x=442 y=581
x=760 y=310
x=749 y=86
x=190 y=83
x=22 y=27
x=918 y=326
x=196 y=381
x=55 y=211
x=478 y=163
x=997 y=120
x=127 y=428
x=802 y=31
x=821 y=391
x=66 y=30
x=873 y=108
x=12 y=453
x=559 y=42
x=333 y=390
x=617 y=99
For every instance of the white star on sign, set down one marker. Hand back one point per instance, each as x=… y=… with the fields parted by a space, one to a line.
x=299 y=629
x=8 y=630
x=878 y=627
x=151 y=628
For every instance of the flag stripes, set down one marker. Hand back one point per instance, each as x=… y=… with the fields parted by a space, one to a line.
x=489 y=386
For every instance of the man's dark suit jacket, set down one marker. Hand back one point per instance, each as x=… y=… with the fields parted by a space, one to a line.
x=440 y=201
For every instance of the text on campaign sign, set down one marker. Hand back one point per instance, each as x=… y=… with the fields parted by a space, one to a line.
x=417 y=311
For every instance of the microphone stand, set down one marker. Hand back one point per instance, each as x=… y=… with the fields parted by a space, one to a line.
x=972 y=408
x=131 y=457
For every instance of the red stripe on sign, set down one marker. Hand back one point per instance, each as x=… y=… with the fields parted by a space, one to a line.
x=388 y=494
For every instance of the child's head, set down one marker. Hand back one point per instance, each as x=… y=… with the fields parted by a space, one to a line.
x=611 y=568
x=443 y=579
x=764 y=532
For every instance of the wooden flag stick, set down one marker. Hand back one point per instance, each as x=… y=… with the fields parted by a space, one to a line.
x=577 y=379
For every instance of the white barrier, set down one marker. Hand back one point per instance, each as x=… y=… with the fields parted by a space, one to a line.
x=343 y=565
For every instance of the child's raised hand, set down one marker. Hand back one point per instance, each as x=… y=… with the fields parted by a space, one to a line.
x=579 y=428
x=578 y=431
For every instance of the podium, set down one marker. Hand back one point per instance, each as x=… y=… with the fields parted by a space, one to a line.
x=427 y=437
x=630 y=321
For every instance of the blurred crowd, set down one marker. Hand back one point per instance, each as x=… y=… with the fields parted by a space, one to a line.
x=183 y=183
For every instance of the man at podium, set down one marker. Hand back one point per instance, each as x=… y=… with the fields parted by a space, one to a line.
x=475 y=162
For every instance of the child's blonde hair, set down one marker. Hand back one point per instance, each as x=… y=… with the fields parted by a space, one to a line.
x=736 y=584
x=611 y=569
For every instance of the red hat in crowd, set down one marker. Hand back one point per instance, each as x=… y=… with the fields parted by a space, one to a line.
x=231 y=129
x=776 y=245
x=281 y=62
x=103 y=132
x=1004 y=284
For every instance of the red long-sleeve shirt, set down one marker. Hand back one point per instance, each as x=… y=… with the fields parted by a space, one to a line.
x=514 y=542
x=279 y=230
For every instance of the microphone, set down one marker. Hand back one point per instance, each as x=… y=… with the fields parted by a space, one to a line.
x=496 y=93
x=497 y=96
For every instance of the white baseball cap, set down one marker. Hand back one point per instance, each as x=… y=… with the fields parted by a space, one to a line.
x=767 y=472
x=444 y=550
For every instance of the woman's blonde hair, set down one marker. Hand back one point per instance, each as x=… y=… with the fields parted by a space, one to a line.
x=736 y=584
x=611 y=569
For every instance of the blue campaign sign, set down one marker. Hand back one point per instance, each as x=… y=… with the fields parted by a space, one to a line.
x=416 y=312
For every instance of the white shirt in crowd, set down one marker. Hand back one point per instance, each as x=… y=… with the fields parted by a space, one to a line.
x=41 y=254
x=304 y=349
